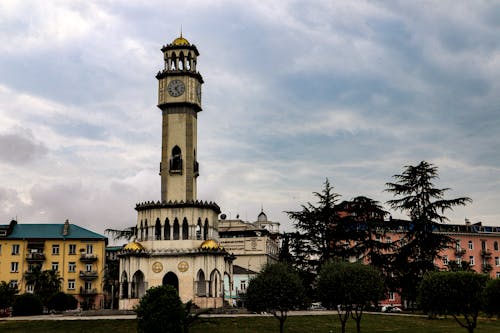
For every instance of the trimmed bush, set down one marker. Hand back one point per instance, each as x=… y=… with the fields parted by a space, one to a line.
x=27 y=305
x=61 y=302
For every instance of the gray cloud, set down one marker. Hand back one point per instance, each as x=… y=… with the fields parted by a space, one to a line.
x=20 y=148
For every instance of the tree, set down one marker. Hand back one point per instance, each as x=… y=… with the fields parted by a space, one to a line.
x=453 y=293
x=45 y=283
x=27 y=305
x=160 y=310
x=7 y=295
x=61 y=301
x=492 y=297
x=277 y=289
x=425 y=205
x=318 y=226
x=350 y=288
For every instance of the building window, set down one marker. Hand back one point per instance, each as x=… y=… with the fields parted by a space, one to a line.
x=243 y=285
x=495 y=246
x=0 y=248
x=14 y=267
x=55 y=266
x=30 y=288
x=13 y=284
x=388 y=240
x=483 y=245
x=55 y=249
x=90 y=248
x=497 y=261
x=498 y=275
x=459 y=261
x=15 y=249
x=392 y=296
x=471 y=260
x=88 y=285
x=72 y=267
x=72 y=248
x=445 y=260
x=471 y=247
x=88 y=267
x=71 y=284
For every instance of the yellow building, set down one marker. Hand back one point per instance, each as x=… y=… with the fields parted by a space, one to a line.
x=77 y=254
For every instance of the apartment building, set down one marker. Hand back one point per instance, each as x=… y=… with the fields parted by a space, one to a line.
x=77 y=254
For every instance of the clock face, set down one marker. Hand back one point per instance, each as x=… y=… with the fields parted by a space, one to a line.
x=176 y=88
x=198 y=92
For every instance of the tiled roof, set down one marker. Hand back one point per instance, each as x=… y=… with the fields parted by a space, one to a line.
x=52 y=231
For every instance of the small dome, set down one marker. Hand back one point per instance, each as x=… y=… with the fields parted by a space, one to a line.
x=134 y=247
x=210 y=244
x=262 y=217
x=179 y=41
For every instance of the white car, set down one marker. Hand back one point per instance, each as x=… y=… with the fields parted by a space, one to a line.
x=390 y=309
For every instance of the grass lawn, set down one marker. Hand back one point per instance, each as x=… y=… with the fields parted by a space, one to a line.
x=302 y=324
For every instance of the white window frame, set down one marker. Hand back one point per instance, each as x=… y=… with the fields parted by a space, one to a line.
x=72 y=267
x=90 y=248
x=55 y=266
x=471 y=245
x=15 y=249
x=471 y=261
x=445 y=260
x=14 y=267
x=71 y=284
x=72 y=249
x=392 y=296
x=497 y=261
x=55 y=249
x=88 y=267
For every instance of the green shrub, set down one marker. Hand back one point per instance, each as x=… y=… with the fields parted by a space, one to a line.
x=27 y=305
x=61 y=302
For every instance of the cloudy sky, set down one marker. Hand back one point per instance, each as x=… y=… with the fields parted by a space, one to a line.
x=295 y=92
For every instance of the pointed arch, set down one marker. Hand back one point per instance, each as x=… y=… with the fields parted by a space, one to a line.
x=198 y=229
x=185 y=229
x=124 y=285
x=158 y=229
x=146 y=229
x=201 y=284
x=215 y=284
x=166 y=230
x=176 y=229
x=176 y=159
x=205 y=230
x=138 y=285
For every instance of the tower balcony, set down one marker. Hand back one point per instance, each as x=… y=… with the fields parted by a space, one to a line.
x=88 y=275
x=88 y=258
x=35 y=257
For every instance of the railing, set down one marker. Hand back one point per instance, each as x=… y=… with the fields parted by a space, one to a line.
x=84 y=291
x=459 y=251
x=86 y=257
x=486 y=253
x=35 y=256
x=88 y=275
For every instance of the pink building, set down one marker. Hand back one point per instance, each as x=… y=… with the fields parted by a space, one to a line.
x=476 y=244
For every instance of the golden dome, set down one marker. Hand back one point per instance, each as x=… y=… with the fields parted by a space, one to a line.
x=179 y=41
x=134 y=247
x=210 y=244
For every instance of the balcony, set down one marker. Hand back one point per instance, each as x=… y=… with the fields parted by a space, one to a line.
x=486 y=253
x=84 y=291
x=486 y=268
x=88 y=275
x=35 y=257
x=88 y=258
x=459 y=252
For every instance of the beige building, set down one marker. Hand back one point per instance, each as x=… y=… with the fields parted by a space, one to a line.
x=177 y=238
x=75 y=253
x=254 y=244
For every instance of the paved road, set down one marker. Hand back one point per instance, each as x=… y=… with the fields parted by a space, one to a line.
x=129 y=317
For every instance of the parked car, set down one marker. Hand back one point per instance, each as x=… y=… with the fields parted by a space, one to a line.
x=390 y=309
x=317 y=306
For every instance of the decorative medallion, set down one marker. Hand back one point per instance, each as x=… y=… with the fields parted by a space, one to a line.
x=157 y=267
x=183 y=266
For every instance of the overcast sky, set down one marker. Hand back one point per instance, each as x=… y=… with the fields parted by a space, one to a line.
x=295 y=92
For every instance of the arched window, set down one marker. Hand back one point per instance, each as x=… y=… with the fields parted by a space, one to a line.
x=176 y=160
x=138 y=285
x=215 y=288
x=146 y=230
x=205 y=230
x=198 y=229
x=185 y=229
x=166 y=230
x=196 y=165
x=142 y=230
x=124 y=283
x=471 y=247
x=201 y=288
x=158 y=229
x=176 y=229
x=170 y=279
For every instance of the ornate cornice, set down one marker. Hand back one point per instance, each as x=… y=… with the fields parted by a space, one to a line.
x=177 y=204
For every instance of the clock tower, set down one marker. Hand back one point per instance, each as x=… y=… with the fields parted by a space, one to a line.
x=179 y=98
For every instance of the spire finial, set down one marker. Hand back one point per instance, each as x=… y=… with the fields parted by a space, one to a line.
x=181 y=30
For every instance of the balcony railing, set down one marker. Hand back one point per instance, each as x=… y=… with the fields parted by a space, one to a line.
x=486 y=253
x=88 y=275
x=84 y=291
x=459 y=252
x=86 y=257
x=35 y=256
